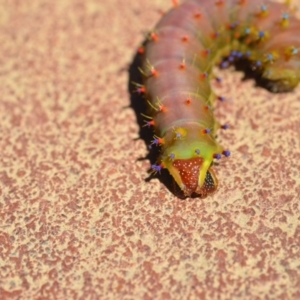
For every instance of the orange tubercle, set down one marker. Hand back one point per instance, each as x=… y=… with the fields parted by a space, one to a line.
x=141 y=50
x=175 y=3
x=198 y=16
x=154 y=37
x=185 y=38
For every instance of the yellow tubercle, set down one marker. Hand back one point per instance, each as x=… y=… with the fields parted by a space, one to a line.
x=203 y=170
x=179 y=133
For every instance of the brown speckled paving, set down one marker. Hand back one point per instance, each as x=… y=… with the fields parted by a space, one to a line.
x=78 y=221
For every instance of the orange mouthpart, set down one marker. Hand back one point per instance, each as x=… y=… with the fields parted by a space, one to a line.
x=189 y=171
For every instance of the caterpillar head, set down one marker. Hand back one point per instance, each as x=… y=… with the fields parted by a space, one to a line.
x=194 y=175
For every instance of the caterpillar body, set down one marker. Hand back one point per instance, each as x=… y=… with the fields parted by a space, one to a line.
x=177 y=68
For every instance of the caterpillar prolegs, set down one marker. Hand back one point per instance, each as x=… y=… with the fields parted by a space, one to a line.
x=178 y=59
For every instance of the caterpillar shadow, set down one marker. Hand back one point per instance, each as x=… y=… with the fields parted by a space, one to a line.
x=140 y=106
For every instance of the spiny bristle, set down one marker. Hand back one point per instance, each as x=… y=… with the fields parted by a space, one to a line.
x=226 y=153
x=156 y=168
x=225 y=126
x=217 y=156
x=157 y=141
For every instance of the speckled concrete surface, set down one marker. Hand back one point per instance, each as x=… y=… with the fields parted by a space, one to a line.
x=78 y=221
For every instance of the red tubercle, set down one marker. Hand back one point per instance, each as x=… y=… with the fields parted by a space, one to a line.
x=242 y=2
x=149 y=123
x=185 y=39
x=248 y=41
x=188 y=101
x=153 y=72
x=205 y=52
x=140 y=90
x=206 y=131
x=198 y=16
x=237 y=35
x=214 y=35
x=158 y=106
x=162 y=12
x=182 y=66
x=220 y=3
x=175 y=3
x=228 y=26
x=232 y=26
x=154 y=37
x=203 y=76
x=160 y=141
x=157 y=141
x=141 y=50
x=162 y=108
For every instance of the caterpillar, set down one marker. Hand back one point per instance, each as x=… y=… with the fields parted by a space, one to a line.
x=178 y=58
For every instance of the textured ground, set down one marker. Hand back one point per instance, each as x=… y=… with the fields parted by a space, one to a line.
x=78 y=221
